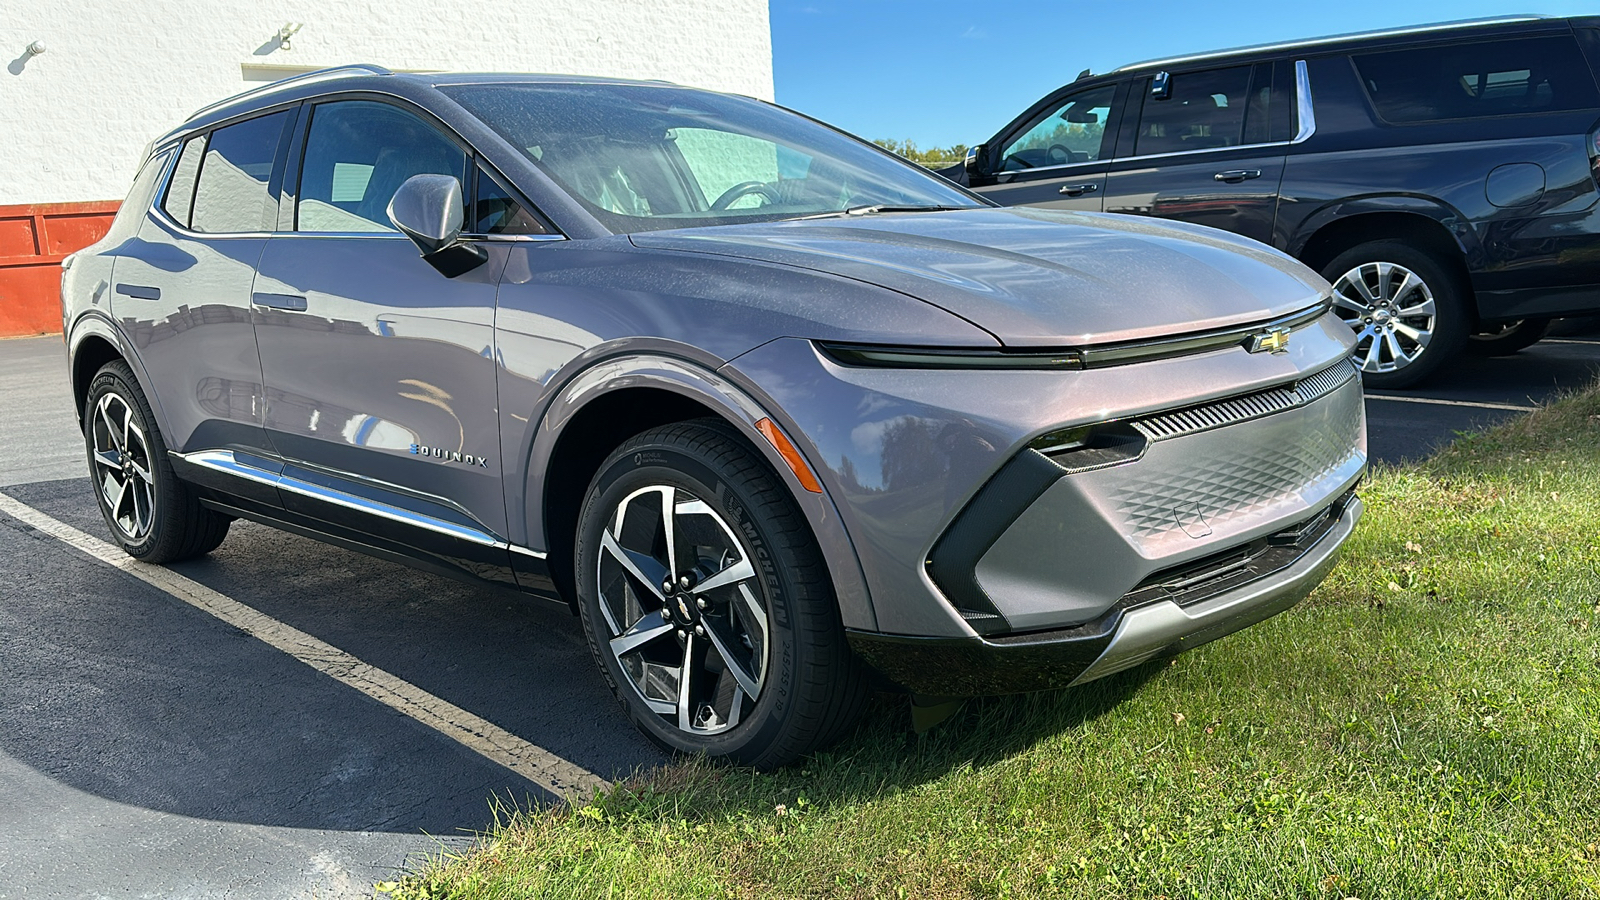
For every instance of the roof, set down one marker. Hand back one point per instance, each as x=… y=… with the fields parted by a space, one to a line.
x=1308 y=43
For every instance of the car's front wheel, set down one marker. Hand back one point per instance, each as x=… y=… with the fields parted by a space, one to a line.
x=707 y=602
x=1408 y=310
x=153 y=516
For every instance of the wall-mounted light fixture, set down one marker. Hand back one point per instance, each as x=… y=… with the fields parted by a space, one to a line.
x=34 y=49
x=288 y=31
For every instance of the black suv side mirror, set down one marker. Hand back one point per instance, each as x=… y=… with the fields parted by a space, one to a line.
x=429 y=210
x=974 y=160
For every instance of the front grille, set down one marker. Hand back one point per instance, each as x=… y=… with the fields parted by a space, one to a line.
x=1234 y=410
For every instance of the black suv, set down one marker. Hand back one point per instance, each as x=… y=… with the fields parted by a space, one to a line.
x=1442 y=177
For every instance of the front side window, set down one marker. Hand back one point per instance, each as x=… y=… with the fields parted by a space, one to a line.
x=1202 y=111
x=1072 y=133
x=641 y=157
x=358 y=153
x=1465 y=81
x=230 y=195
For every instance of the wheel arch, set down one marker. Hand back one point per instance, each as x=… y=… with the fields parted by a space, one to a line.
x=612 y=401
x=93 y=342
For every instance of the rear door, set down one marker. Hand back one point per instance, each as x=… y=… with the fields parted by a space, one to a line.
x=379 y=369
x=1057 y=158
x=183 y=284
x=1208 y=147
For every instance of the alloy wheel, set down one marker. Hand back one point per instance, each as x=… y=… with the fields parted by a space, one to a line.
x=680 y=598
x=122 y=466
x=1392 y=311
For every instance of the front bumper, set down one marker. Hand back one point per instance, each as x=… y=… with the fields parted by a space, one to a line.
x=1143 y=626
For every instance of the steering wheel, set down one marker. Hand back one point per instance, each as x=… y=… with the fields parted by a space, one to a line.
x=745 y=189
x=1060 y=151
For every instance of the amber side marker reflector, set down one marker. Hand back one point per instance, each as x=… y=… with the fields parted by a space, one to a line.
x=797 y=463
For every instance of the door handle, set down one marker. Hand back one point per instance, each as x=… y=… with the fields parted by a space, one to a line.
x=1234 y=176
x=1078 y=190
x=139 y=291
x=289 y=302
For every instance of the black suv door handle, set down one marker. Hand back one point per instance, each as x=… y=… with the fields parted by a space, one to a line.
x=1077 y=190
x=139 y=291
x=1234 y=176
x=290 y=302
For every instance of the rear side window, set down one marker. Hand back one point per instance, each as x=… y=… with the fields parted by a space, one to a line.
x=1468 y=81
x=1202 y=111
x=180 y=189
x=231 y=194
x=358 y=153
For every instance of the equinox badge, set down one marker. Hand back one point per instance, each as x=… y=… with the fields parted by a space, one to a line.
x=481 y=462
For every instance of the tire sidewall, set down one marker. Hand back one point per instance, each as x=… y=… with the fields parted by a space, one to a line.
x=642 y=462
x=1451 y=318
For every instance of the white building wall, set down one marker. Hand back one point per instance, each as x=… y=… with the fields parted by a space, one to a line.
x=117 y=73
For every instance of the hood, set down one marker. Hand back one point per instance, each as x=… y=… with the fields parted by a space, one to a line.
x=1035 y=278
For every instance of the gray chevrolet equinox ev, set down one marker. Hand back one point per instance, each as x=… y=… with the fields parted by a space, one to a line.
x=779 y=414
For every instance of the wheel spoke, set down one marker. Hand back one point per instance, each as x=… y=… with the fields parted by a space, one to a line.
x=746 y=681
x=1343 y=300
x=733 y=574
x=1401 y=357
x=1425 y=308
x=1407 y=284
x=636 y=564
x=108 y=458
x=668 y=524
x=1359 y=282
x=684 y=722
x=111 y=428
x=648 y=628
x=1371 y=362
x=1418 y=335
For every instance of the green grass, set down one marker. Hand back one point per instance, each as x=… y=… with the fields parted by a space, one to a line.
x=1427 y=724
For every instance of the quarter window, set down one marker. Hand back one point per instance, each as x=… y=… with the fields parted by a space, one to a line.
x=358 y=153
x=499 y=210
x=1073 y=132
x=180 y=189
x=1202 y=111
x=231 y=193
x=1465 y=81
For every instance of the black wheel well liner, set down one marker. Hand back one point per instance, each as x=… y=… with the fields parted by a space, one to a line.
x=93 y=353
x=597 y=429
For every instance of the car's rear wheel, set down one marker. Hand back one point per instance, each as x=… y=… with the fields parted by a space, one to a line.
x=152 y=515
x=1407 y=309
x=1506 y=338
x=707 y=603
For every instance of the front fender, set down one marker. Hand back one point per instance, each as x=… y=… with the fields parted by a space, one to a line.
x=718 y=393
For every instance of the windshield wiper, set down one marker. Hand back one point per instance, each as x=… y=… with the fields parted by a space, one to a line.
x=870 y=209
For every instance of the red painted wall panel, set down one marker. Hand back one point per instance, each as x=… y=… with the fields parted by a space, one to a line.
x=33 y=241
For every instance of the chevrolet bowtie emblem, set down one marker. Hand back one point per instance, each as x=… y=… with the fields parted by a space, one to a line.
x=1273 y=340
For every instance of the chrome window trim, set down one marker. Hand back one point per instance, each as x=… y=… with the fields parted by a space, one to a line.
x=1303 y=110
x=224 y=462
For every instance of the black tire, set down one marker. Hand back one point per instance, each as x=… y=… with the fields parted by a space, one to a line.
x=811 y=687
x=156 y=517
x=1378 y=327
x=1508 y=337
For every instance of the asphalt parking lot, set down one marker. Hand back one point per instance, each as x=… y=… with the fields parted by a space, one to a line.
x=149 y=747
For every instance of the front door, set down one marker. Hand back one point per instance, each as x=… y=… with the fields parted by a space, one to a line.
x=1205 y=151
x=1057 y=159
x=379 y=369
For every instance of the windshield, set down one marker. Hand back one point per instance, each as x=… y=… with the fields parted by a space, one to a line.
x=642 y=157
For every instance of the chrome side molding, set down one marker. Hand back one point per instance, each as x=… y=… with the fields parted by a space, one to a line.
x=226 y=463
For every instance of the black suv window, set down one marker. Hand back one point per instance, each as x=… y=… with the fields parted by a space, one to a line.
x=1072 y=132
x=498 y=210
x=1202 y=111
x=358 y=153
x=231 y=194
x=1463 y=81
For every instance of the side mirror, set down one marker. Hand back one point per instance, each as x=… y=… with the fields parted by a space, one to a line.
x=428 y=209
x=974 y=160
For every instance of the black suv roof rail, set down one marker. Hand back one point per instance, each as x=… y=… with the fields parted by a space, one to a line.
x=317 y=75
x=1333 y=39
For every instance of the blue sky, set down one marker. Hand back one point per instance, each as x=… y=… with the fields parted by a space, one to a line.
x=940 y=72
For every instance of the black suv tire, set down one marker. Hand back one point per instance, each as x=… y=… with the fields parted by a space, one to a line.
x=153 y=516
x=1373 y=285
x=1508 y=337
x=730 y=515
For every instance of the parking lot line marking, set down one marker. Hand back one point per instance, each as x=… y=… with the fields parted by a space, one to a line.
x=538 y=765
x=1588 y=343
x=1433 y=402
